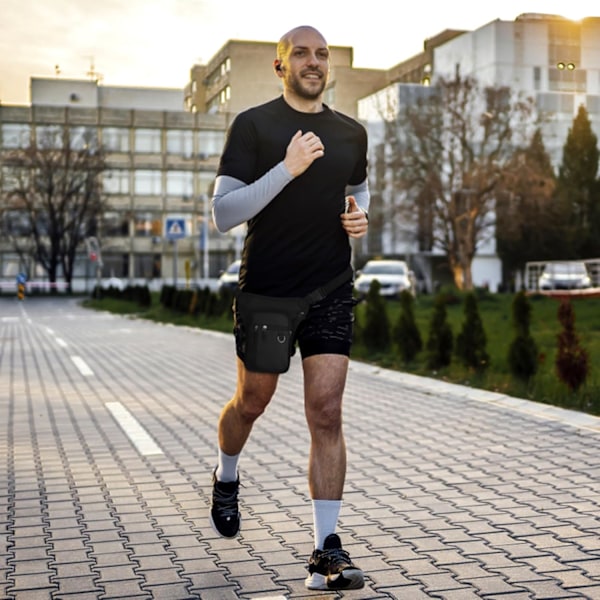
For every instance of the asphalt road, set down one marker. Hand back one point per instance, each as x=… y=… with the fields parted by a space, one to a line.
x=107 y=443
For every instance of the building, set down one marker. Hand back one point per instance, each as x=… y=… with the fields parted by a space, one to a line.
x=549 y=58
x=241 y=75
x=161 y=164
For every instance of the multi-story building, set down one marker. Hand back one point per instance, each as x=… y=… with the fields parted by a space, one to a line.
x=549 y=58
x=241 y=75
x=160 y=166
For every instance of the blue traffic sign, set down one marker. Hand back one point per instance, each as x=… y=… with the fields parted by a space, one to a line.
x=175 y=228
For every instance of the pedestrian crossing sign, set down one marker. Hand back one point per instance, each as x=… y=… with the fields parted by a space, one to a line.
x=175 y=228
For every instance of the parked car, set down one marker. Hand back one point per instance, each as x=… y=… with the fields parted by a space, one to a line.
x=394 y=277
x=572 y=275
x=229 y=278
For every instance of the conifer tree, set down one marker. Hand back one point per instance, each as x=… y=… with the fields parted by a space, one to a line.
x=376 y=329
x=406 y=333
x=471 y=341
x=572 y=360
x=522 y=352
x=440 y=340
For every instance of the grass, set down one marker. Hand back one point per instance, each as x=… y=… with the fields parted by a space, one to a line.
x=496 y=314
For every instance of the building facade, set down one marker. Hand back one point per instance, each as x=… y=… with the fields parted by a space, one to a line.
x=548 y=58
x=160 y=168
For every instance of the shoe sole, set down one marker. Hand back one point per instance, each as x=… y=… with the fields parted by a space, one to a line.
x=228 y=537
x=351 y=579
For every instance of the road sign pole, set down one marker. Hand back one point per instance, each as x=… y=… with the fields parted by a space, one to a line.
x=175 y=262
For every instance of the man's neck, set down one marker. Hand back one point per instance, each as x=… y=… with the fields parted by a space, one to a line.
x=303 y=104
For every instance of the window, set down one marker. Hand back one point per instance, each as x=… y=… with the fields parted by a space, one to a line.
x=15 y=135
x=115 y=139
x=180 y=183
x=180 y=142
x=147 y=224
x=115 y=224
x=146 y=266
x=83 y=138
x=147 y=141
x=116 y=182
x=16 y=223
x=49 y=136
x=148 y=183
x=212 y=142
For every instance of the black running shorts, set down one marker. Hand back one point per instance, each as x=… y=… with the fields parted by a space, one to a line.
x=327 y=328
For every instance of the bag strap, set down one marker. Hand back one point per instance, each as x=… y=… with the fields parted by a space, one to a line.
x=326 y=289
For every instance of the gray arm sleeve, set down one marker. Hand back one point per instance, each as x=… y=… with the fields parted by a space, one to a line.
x=361 y=194
x=234 y=202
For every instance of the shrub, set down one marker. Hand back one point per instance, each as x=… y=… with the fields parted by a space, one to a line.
x=406 y=333
x=440 y=339
x=522 y=352
x=471 y=341
x=572 y=361
x=376 y=329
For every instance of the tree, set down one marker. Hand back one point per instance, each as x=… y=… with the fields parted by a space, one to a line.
x=55 y=195
x=452 y=147
x=529 y=224
x=376 y=330
x=522 y=352
x=471 y=341
x=579 y=189
x=572 y=360
x=406 y=332
x=440 y=339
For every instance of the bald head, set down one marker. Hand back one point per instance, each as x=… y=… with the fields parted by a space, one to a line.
x=289 y=39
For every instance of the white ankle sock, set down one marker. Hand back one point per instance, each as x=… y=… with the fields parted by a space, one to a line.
x=325 y=517
x=227 y=467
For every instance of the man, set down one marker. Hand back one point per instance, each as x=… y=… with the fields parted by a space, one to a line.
x=289 y=168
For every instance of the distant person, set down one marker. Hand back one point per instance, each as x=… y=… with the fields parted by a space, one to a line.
x=287 y=169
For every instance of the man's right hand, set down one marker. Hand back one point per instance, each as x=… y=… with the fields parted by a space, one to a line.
x=302 y=150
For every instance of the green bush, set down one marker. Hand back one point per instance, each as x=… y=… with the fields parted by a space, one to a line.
x=440 y=339
x=471 y=342
x=376 y=330
x=522 y=352
x=572 y=360
x=406 y=333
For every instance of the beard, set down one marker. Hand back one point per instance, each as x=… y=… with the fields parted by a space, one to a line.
x=304 y=90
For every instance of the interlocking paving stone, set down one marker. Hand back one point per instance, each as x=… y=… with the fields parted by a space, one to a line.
x=451 y=493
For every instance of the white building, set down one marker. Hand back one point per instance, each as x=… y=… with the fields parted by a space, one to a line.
x=551 y=59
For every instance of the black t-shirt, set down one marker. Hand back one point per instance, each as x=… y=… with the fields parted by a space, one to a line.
x=296 y=243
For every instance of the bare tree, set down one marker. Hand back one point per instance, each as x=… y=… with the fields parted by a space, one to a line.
x=452 y=147
x=53 y=198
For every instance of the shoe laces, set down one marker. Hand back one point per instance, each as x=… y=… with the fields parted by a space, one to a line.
x=226 y=502
x=336 y=557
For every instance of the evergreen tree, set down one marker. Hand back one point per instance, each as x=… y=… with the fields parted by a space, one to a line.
x=578 y=189
x=529 y=225
x=522 y=352
x=471 y=341
x=572 y=360
x=376 y=330
x=440 y=339
x=406 y=332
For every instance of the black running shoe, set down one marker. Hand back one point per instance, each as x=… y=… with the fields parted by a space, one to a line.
x=332 y=569
x=224 y=513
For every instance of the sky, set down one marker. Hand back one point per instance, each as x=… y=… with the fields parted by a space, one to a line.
x=154 y=43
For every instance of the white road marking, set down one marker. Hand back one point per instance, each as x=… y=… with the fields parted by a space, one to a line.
x=82 y=366
x=133 y=430
x=61 y=342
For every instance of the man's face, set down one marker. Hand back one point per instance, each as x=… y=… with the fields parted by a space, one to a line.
x=306 y=67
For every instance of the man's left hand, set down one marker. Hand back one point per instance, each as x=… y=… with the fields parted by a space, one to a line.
x=354 y=220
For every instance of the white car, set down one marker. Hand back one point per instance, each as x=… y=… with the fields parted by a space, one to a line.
x=568 y=275
x=394 y=277
x=229 y=278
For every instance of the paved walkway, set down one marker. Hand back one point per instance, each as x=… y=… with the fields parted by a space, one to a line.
x=107 y=439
